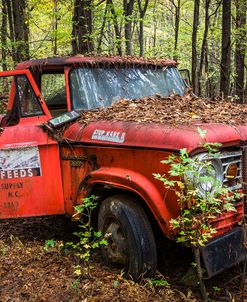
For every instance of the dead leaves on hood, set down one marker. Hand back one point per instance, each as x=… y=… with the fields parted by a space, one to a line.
x=173 y=110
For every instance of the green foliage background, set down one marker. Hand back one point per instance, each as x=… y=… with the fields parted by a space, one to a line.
x=159 y=31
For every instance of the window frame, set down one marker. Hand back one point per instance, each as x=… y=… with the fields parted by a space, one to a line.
x=19 y=101
x=55 y=72
x=35 y=89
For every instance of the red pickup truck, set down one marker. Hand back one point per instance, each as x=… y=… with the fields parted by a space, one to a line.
x=114 y=160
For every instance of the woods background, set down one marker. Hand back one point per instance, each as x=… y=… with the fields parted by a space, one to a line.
x=206 y=36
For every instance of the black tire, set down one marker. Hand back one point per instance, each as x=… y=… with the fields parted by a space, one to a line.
x=130 y=237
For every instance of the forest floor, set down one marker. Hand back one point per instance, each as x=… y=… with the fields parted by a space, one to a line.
x=30 y=273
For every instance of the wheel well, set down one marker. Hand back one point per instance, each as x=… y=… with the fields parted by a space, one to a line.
x=103 y=191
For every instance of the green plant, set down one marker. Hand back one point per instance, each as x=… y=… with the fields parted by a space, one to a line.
x=158 y=282
x=89 y=239
x=75 y=284
x=50 y=243
x=201 y=196
x=116 y=284
x=216 y=289
x=3 y=248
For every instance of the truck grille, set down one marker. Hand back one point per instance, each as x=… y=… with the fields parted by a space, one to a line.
x=228 y=158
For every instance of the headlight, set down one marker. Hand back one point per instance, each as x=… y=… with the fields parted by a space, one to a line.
x=206 y=175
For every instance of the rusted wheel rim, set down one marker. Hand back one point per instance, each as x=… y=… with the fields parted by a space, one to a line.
x=117 y=243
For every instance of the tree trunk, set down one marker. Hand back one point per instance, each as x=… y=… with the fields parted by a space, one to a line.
x=128 y=10
x=207 y=80
x=116 y=27
x=100 y=39
x=225 y=48
x=142 y=12
x=177 y=19
x=155 y=26
x=203 y=58
x=199 y=274
x=21 y=30
x=141 y=36
x=4 y=35
x=240 y=48
x=11 y=30
x=82 y=27
x=194 y=71
x=18 y=29
x=55 y=23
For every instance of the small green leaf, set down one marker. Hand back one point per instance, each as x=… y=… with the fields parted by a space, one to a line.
x=216 y=289
x=95 y=245
x=50 y=243
x=116 y=284
x=103 y=242
x=183 y=152
x=159 y=282
x=202 y=132
x=97 y=234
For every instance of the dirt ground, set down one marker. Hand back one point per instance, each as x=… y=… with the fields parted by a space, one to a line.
x=30 y=273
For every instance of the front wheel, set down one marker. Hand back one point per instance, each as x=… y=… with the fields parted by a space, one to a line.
x=130 y=238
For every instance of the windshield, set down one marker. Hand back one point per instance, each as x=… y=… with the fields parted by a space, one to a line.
x=100 y=87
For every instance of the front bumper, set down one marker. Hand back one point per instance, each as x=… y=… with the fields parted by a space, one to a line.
x=223 y=252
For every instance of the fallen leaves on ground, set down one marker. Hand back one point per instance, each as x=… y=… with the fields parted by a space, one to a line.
x=30 y=273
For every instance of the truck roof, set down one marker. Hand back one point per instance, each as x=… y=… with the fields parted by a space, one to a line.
x=93 y=61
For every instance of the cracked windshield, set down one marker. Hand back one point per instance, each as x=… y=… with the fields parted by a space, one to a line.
x=98 y=87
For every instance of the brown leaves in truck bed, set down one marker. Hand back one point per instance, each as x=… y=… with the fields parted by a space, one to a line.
x=173 y=110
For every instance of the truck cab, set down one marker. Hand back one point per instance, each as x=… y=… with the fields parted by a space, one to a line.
x=50 y=160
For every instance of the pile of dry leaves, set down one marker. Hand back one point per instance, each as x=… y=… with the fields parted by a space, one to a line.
x=172 y=110
x=116 y=61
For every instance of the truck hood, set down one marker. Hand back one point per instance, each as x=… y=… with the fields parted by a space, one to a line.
x=153 y=136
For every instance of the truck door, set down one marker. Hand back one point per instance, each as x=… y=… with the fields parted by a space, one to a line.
x=30 y=172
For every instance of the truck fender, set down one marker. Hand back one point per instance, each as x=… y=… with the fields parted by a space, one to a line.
x=129 y=180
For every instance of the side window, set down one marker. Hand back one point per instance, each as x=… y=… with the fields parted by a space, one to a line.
x=54 y=93
x=29 y=104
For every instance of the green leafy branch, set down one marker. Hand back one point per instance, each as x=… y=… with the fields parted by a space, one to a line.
x=88 y=238
x=201 y=195
x=193 y=225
